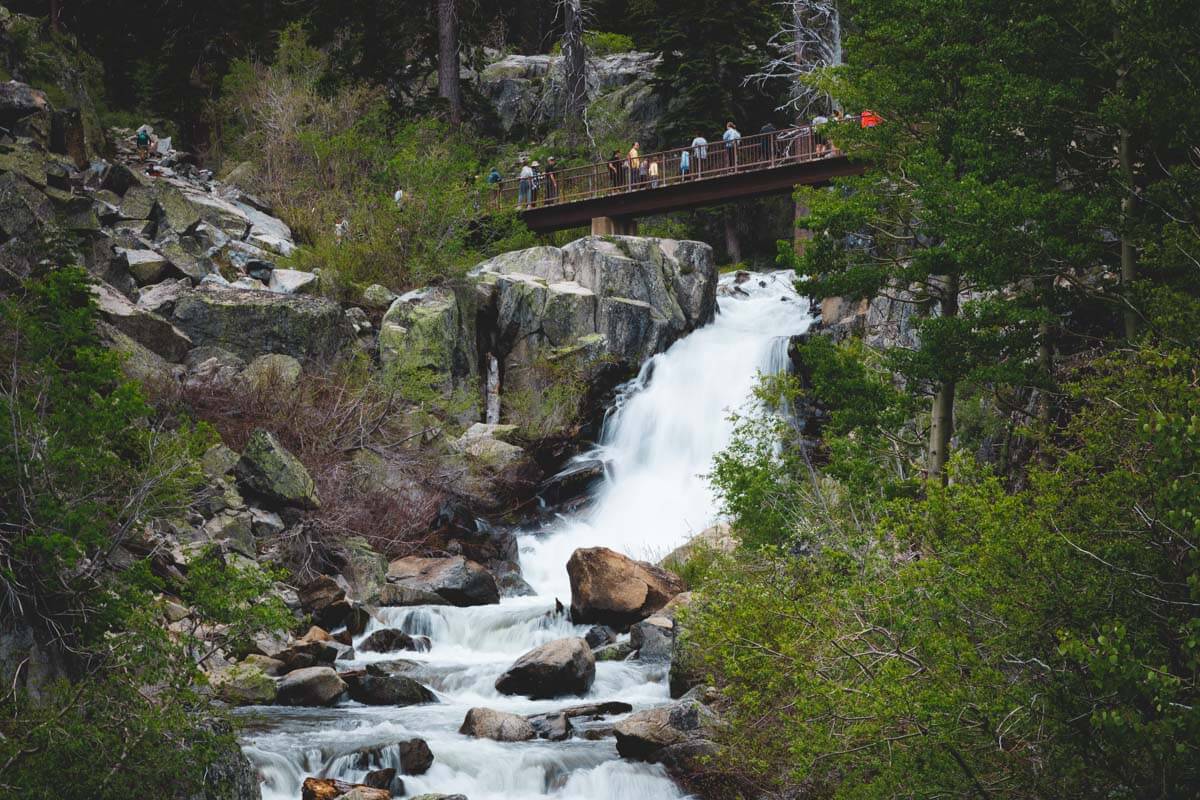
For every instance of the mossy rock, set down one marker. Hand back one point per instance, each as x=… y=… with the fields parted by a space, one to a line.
x=268 y=470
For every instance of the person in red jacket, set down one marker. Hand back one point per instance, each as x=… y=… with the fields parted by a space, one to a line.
x=869 y=118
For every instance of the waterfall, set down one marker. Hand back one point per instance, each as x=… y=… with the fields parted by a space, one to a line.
x=659 y=440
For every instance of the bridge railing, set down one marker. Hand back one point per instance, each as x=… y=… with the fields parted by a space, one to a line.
x=670 y=167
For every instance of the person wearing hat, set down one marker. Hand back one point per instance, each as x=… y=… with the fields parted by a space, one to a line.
x=551 y=178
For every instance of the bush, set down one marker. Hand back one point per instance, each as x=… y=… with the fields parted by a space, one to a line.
x=1032 y=643
x=601 y=43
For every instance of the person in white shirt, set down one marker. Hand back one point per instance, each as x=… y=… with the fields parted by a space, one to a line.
x=525 y=186
x=731 y=136
x=699 y=153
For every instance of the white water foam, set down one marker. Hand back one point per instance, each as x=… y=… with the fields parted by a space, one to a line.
x=660 y=440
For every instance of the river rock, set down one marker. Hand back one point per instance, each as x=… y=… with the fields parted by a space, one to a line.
x=564 y=666
x=600 y=635
x=384 y=779
x=311 y=686
x=333 y=789
x=415 y=757
x=499 y=725
x=250 y=323
x=439 y=797
x=325 y=599
x=391 y=690
x=268 y=470
x=643 y=735
x=554 y=726
x=389 y=640
x=612 y=589
x=653 y=638
x=244 y=684
x=455 y=579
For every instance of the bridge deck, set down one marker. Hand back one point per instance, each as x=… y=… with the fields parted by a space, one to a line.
x=762 y=164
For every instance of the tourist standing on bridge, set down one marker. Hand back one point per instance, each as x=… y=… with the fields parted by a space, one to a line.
x=614 y=170
x=818 y=124
x=551 y=178
x=685 y=164
x=652 y=172
x=699 y=153
x=635 y=165
x=525 y=186
x=768 y=141
x=731 y=136
x=536 y=184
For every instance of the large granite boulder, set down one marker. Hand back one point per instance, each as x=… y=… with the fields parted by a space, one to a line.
x=499 y=725
x=250 y=323
x=642 y=736
x=311 y=686
x=454 y=579
x=429 y=334
x=267 y=470
x=144 y=327
x=564 y=666
x=243 y=684
x=386 y=690
x=613 y=589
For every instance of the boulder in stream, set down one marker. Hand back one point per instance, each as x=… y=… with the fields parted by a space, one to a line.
x=311 y=686
x=389 y=690
x=333 y=789
x=487 y=723
x=389 y=640
x=564 y=666
x=613 y=589
x=642 y=736
x=454 y=579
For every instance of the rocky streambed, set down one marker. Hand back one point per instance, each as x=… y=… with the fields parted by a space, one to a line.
x=565 y=693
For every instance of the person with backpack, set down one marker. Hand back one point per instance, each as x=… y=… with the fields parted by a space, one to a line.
x=143 y=142
x=525 y=186
x=535 y=184
x=731 y=136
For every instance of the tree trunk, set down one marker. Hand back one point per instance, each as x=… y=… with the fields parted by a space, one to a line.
x=941 y=427
x=1128 y=254
x=55 y=13
x=575 y=60
x=733 y=245
x=448 y=63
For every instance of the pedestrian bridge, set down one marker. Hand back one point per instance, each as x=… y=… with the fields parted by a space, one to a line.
x=611 y=197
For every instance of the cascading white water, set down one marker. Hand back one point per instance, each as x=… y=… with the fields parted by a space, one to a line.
x=660 y=440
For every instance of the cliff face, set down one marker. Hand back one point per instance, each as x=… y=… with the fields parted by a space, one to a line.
x=529 y=94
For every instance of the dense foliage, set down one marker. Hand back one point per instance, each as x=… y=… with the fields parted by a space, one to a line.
x=85 y=466
x=1026 y=626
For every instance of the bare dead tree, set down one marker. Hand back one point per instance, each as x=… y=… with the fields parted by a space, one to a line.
x=574 y=51
x=808 y=42
x=448 y=58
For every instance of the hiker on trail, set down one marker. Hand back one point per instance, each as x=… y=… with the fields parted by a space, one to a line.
x=635 y=164
x=341 y=229
x=551 y=179
x=494 y=178
x=699 y=153
x=869 y=118
x=685 y=164
x=731 y=136
x=143 y=138
x=398 y=197
x=525 y=186
x=614 y=170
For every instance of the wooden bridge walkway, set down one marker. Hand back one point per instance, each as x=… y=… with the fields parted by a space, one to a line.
x=611 y=196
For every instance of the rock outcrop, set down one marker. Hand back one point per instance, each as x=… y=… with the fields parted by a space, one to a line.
x=529 y=93
x=644 y=735
x=389 y=690
x=564 y=666
x=333 y=789
x=249 y=322
x=612 y=589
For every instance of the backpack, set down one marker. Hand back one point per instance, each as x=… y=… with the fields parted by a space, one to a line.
x=143 y=138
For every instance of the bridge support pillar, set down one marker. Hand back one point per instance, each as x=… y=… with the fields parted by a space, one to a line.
x=614 y=226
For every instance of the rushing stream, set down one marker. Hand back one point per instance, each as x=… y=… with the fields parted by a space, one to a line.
x=659 y=440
